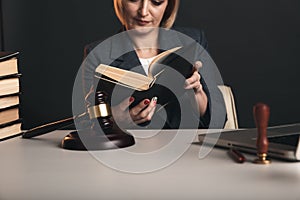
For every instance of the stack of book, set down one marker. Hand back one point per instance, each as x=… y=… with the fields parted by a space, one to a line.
x=10 y=122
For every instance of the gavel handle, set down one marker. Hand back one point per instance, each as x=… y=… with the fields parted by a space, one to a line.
x=52 y=126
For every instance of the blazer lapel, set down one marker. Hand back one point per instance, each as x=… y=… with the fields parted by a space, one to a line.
x=124 y=56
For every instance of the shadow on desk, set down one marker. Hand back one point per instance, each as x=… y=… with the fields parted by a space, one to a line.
x=49 y=141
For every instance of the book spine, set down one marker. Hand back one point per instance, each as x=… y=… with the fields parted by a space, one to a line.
x=17 y=75
x=9 y=114
x=10 y=107
x=11 y=136
x=10 y=95
x=7 y=55
x=11 y=123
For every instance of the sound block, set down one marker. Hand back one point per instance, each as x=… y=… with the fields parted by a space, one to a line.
x=93 y=140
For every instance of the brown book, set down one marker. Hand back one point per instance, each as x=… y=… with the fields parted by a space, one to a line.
x=131 y=79
x=8 y=63
x=9 y=100
x=11 y=129
x=161 y=70
x=9 y=114
x=9 y=84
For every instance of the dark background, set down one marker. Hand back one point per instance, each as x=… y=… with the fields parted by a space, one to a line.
x=254 y=43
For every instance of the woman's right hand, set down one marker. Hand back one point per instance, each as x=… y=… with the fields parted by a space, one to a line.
x=140 y=113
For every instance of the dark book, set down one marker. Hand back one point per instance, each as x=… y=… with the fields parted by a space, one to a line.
x=8 y=63
x=10 y=130
x=166 y=76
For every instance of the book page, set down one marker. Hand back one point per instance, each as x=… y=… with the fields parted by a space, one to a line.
x=159 y=57
x=125 y=77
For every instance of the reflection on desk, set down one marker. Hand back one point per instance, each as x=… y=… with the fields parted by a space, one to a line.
x=39 y=169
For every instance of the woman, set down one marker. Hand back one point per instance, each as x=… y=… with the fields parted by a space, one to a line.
x=145 y=17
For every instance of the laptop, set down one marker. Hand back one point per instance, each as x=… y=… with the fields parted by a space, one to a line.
x=284 y=142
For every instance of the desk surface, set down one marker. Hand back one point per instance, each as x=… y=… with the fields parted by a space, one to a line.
x=38 y=169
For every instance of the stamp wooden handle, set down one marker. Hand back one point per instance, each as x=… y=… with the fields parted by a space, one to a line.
x=261 y=114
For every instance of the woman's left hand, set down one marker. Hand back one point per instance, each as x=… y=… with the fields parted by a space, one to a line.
x=194 y=83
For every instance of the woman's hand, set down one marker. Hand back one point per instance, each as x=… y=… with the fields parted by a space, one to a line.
x=194 y=83
x=141 y=113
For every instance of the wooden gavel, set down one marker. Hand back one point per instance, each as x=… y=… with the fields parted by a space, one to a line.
x=103 y=133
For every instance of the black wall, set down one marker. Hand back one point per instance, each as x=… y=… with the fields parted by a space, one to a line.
x=255 y=44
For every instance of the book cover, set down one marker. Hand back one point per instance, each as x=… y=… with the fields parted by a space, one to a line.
x=165 y=79
x=9 y=84
x=17 y=75
x=10 y=130
x=8 y=63
x=10 y=123
x=9 y=114
x=9 y=66
x=9 y=100
x=5 y=55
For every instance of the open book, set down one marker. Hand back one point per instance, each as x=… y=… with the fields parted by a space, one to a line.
x=167 y=71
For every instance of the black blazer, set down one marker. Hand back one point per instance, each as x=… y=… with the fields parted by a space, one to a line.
x=118 y=51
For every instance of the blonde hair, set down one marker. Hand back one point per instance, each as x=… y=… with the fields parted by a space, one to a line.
x=167 y=20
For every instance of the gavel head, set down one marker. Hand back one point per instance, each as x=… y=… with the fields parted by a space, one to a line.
x=101 y=112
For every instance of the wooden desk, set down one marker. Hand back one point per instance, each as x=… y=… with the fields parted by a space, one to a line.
x=37 y=169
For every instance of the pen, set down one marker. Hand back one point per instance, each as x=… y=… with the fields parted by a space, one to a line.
x=236 y=156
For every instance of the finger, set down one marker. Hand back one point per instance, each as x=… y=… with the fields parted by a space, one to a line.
x=198 y=65
x=195 y=85
x=139 y=107
x=198 y=88
x=152 y=112
x=146 y=117
x=146 y=114
x=152 y=106
x=194 y=78
x=126 y=103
